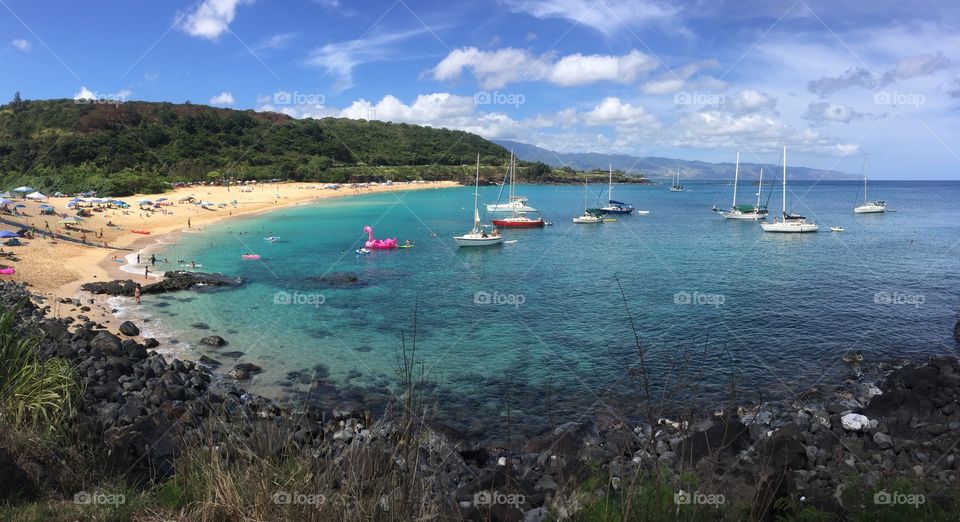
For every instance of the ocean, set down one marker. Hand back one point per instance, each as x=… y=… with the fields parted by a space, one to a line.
x=515 y=338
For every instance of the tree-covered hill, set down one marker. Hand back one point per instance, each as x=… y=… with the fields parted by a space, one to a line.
x=129 y=147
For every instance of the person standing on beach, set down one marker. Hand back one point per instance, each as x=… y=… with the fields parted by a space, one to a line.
x=136 y=294
x=188 y=223
x=138 y=259
x=146 y=272
x=153 y=260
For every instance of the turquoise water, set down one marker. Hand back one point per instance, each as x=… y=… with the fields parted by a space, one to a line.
x=769 y=314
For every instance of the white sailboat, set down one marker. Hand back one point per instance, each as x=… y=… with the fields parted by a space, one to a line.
x=613 y=206
x=869 y=207
x=478 y=236
x=590 y=216
x=514 y=202
x=744 y=212
x=789 y=223
x=676 y=187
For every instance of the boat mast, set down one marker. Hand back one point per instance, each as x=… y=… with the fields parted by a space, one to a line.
x=736 y=174
x=784 y=182
x=610 y=186
x=476 y=196
x=864 y=180
x=760 y=188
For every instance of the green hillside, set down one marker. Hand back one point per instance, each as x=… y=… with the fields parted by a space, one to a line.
x=125 y=148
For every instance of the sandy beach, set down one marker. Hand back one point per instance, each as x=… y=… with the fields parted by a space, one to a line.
x=57 y=268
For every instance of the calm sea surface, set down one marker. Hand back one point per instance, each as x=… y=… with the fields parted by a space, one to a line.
x=538 y=329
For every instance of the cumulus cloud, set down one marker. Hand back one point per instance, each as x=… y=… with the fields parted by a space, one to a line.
x=823 y=113
x=751 y=100
x=22 y=45
x=211 y=18
x=495 y=69
x=607 y=17
x=678 y=79
x=854 y=77
x=915 y=66
x=224 y=98
x=615 y=113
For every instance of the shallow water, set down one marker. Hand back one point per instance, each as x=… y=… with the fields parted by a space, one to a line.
x=506 y=330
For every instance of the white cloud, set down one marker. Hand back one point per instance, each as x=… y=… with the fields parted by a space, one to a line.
x=677 y=79
x=22 y=45
x=915 y=66
x=615 y=113
x=277 y=41
x=211 y=18
x=86 y=94
x=495 y=69
x=663 y=86
x=224 y=98
x=607 y=17
x=825 y=112
x=341 y=58
x=751 y=100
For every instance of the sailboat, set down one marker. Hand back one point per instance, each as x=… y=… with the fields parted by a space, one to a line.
x=613 y=206
x=477 y=235
x=518 y=218
x=590 y=215
x=515 y=203
x=789 y=222
x=676 y=187
x=744 y=212
x=869 y=207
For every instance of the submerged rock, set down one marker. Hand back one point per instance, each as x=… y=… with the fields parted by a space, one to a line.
x=174 y=281
x=213 y=340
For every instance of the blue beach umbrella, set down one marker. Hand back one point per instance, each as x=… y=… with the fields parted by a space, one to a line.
x=4 y=234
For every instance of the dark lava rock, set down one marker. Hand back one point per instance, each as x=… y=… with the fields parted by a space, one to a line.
x=248 y=367
x=213 y=340
x=15 y=481
x=150 y=342
x=106 y=343
x=233 y=355
x=174 y=281
x=200 y=326
x=338 y=280
x=209 y=362
x=128 y=328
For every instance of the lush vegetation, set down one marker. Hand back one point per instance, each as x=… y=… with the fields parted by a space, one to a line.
x=131 y=147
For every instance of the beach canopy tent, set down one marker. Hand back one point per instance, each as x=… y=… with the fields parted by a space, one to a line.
x=143 y=202
x=24 y=189
x=6 y=194
x=36 y=196
x=58 y=194
x=5 y=234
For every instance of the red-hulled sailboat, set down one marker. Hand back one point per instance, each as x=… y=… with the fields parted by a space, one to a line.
x=518 y=218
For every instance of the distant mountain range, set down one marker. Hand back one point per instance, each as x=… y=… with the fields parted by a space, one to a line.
x=653 y=167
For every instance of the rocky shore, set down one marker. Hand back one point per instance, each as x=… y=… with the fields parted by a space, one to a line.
x=812 y=451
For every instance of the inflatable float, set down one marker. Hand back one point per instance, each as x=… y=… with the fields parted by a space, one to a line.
x=253 y=257
x=378 y=244
x=144 y=232
x=7 y=271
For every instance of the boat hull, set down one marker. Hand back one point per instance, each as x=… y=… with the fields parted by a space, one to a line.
x=617 y=210
x=467 y=241
x=514 y=223
x=790 y=227
x=744 y=216
x=869 y=209
x=587 y=220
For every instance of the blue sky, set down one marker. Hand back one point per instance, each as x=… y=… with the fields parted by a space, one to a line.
x=695 y=80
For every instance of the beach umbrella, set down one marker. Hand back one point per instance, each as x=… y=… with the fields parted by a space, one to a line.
x=6 y=194
x=20 y=206
x=143 y=202
x=161 y=199
x=44 y=205
x=36 y=196
x=5 y=234
x=5 y=201
x=24 y=189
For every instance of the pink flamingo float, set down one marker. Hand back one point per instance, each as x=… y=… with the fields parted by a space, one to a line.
x=379 y=244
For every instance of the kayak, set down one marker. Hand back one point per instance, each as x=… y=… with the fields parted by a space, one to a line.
x=250 y=256
x=405 y=246
x=140 y=231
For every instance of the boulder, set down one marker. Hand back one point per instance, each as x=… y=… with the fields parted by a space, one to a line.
x=150 y=342
x=106 y=343
x=129 y=329
x=854 y=422
x=213 y=340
